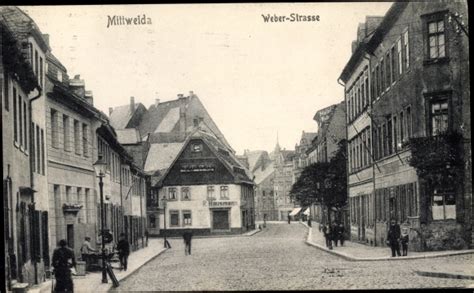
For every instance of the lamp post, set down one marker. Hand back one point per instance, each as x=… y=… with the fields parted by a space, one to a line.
x=164 y=221
x=99 y=168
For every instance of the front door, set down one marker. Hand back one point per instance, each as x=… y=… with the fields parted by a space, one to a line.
x=220 y=220
x=70 y=235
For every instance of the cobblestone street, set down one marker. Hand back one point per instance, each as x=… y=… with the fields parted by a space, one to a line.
x=278 y=258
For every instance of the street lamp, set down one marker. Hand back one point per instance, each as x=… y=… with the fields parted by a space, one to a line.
x=100 y=168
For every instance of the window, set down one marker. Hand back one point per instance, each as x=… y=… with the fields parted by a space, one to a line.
x=436 y=39
x=36 y=65
x=389 y=137
x=443 y=204
x=388 y=70
x=60 y=76
x=210 y=192
x=85 y=139
x=439 y=117
x=196 y=148
x=15 y=116
x=382 y=76
x=409 y=122
x=38 y=149
x=54 y=128
x=20 y=119
x=68 y=194
x=402 y=127
x=41 y=71
x=172 y=194
x=395 y=134
x=406 y=50
x=174 y=218
x=77 y=137
x=66 y=133
x=393 y=64
x=185 y=193
x=187 y=218
x=224 y=192
x=399 y=55
x=25 y=125
x=6 y=84
x=43 y=162
x=152 y=221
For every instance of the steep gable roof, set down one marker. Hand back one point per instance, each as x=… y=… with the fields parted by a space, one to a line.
x=261 y=175
x=178 y=116
x=22 y=25
x=128 y=136
x=227 y=158
x=121 y=115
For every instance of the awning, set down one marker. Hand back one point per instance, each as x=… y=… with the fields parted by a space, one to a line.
x=295 y=211
x=306 y=212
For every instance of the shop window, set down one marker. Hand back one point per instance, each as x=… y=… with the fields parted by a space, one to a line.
x=443 y=204
x=174 y=218
x=439 y=117
x=210 y=192
x=185 y=193
x=172 y=193
x=187 y=218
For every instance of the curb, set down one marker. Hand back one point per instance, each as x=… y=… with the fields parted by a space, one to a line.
x=444 y=275
x=351 y=258
x=139 y=267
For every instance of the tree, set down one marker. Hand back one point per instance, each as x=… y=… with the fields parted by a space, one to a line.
x=324 y=183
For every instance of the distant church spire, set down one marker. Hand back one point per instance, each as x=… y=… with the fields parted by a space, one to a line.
x=277 y=147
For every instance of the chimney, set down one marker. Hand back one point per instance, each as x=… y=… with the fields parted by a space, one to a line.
x=132 y=104
x=182 y=114
x=110 y=111
x=191 y=94
x=46 y=39
x=157 y=102
x=77 y=85
x=89 y=97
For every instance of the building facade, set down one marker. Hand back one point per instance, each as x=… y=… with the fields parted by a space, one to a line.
x=283 y=180
x=206 y=190
x=23 y=142
x=407 y=81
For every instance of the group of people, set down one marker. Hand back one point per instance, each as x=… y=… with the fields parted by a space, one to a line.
x=396 y=238
x=64 y=261
x=333 y=234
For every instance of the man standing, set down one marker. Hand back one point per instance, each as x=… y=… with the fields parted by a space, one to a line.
x=123 y=248
x=187 y=236
x=86 y=250
x=340 y=232
x=289 y=218
x=146 y=237
x=63 y=261
x=393 y=237
x=328 y=235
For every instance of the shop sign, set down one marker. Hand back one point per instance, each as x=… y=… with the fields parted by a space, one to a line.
x=222 y=203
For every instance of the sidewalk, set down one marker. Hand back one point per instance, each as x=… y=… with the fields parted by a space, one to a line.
x=359 y=252
x=91 y=282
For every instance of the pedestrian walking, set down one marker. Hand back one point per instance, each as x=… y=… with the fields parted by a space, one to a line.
x=63 y=261
x=393 y=237
x=123 y=248
x=289 y=219
x=146 y=237
x=335 y=233
x=327 y=235
x=404 y=241
x=187 y=237
x=340 y=232
x=86 y=250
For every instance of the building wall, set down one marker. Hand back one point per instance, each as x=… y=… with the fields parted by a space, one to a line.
x=201 y=209
x=265 y=200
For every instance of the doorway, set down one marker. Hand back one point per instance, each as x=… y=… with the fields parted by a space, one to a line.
x=70 y=235
x=220 y=220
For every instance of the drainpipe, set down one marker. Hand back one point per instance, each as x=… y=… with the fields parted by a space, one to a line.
x=347 y=154
x=372 y=145
x=32 y=162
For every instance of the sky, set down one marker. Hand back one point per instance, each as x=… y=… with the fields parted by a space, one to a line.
x=258 y=80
